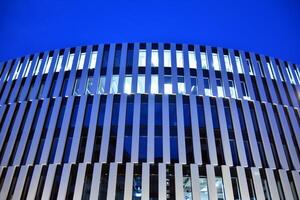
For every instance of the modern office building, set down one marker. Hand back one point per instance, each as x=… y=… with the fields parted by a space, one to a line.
x=149 y=121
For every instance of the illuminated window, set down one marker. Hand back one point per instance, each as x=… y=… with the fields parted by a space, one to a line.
x=203 y=188
x=76 y=87
x=47 y=67
x=192 y=60
x=244 y=90
x=194 y=85
x=204 y=60
x=168 y=85
x=142 y=57
x=27 y=68
x=101 y=85
x=37 y=67
x=216 y=62
x=154 y=58
x=141 y=84
x=89 y=85
x=220 y=188
x=187 y=187
x=227 y=63
x=167 y=58
x=114 y=84
x=232 y=88
x=280 y=73
x=93 y=60
x=154 y=84
x=59 y=63
x=179 y=59
x=17 y=72
x=220 y=88
x=81 y=61
x=239 y=65
x=181 y=85
x=70 y=62
x=207 y=89
x=290 y=75
x=260 y=68
x=251 y=71
x=127 y=84
x=271 y=71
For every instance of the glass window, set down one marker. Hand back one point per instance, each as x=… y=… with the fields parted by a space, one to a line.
x=70 y=62
x=26 y=71
x=192 y=60
x=194 y=85
x=168 y=85
x=266 y=189
x=251 y=71
x=101 y=85
x=203 y=188
x=141 y=84
x=179 y=58
x=279 y=72
x=47 y=67
x=154 y=58
x=181 y=85
x=129 y=57
x=216 y=62
x=37 y=67
x=290 y=75
x=127 y=84
x=93 y=60
x=260 y=68
x=117 y=58
x=220 y=188
x=204 y=60
x=81 y=61
x=227 y=63
x=207 y=89
x=142 y=57
x=232 y=88
x=154 y=84
x=235 y=188
x=16 y=74
x=76 y=87
x=89 y=85
x=105 y=56
x=244 y=90
x=137 y=187
x=239 y=65
x=220 y=88
x=114 y=84
x=167 y=58
x=59 y=63
x=187 y=187
x=271 y=71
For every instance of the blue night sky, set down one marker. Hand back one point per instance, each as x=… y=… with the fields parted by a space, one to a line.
x=270 y=27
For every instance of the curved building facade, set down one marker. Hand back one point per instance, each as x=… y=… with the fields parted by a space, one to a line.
x=149 y=121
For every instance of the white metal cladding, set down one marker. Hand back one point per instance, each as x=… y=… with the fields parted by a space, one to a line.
x=92 y=122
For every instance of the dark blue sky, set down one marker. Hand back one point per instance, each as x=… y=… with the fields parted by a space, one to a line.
x=270 y=27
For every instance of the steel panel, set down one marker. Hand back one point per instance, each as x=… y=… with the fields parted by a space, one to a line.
x=285 y=184
x=121 y=129
x=136 y=129
x=79 y=181
x=187 y=78
x=272 y=184
x=242 y=183
x=64 y=130
x=8 y=180
x=96 y=181
x=276 y=136
x=64 y=181
x=199 y=71
x=72 y=77
x=150 y=128
x=212 y=75
x=112 y=181
x=109 y=69
x=122 y=68
x=251 y=134
x=247 y=75
x=195 y=181
x=235 y=74
x=50 y=132
x=6 y=123
x=25 y=133
x=106 y=129
x=162 y=181
x=227 y=182
x=85 y=70
x=238 y=133
x=92 y=130
x=166 y=129
x=224 y=133
x=211 y=182
x=36 y=175
x=77 y=131
x=296 y=178
x=49 y=182
x=209 y=132
x=178 y=181
x=259 y=191
x=37 y=133
x=128 y=181
x=180 y=129
x=174 y=69
x=97 y=70
x=264 y=135
x=20 y=183
x=145 y=181
x=223 y=73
